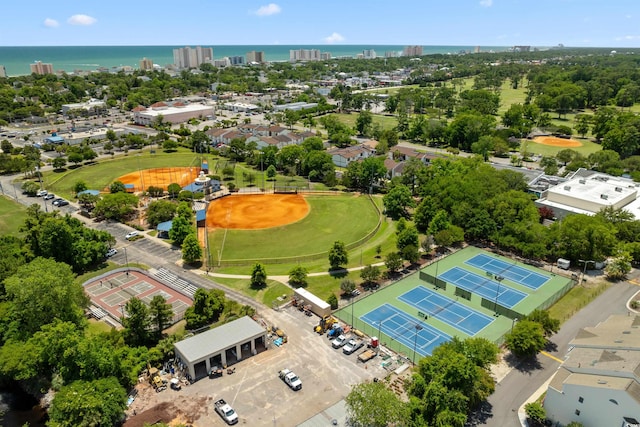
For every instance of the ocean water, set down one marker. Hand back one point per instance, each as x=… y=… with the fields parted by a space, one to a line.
x=16 y=59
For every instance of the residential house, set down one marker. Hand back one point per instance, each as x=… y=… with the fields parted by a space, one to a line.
x=598 y=383
x=343 y=156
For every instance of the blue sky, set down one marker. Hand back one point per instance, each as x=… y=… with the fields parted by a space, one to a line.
x=606 y=23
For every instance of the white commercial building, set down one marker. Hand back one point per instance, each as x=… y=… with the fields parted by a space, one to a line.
x=589 y=192
x=304 y=55
x=187 y=57
x=598 y=384
x=179 y=113
x=91 y=105
x=221 y=346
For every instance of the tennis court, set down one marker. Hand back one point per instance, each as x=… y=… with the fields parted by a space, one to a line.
x=483 y=286
x=511 y=271
x=449 y=311
x=405 y=329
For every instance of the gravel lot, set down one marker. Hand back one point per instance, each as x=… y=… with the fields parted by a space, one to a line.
x=257 y=394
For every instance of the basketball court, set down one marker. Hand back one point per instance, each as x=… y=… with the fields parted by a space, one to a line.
x=256 y=211
x=111 y=293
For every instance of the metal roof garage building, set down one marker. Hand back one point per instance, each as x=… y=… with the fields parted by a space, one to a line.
x=221 y=346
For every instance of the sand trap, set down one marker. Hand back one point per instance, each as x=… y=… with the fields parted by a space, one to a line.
x=557 y=142
x=256 y=211
x=160 y=177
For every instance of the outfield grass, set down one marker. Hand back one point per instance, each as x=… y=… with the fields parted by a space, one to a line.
x=11 y=216
x=347 y=218
x=587 y=148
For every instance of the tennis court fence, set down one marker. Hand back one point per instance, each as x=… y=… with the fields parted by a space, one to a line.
x=433 y=280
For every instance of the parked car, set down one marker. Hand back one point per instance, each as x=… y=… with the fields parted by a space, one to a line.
x=131 y=235
x=60 y=202
x=352 y=346
x=339 y=342
x=50 y=196
x=111 y=252
x=41 y=193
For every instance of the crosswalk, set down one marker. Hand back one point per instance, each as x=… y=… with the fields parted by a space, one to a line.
x=175 y=282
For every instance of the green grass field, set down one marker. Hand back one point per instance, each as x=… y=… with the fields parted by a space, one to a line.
x=347 y=218
x=11 y=216
x=385 y=122
x=587 y=148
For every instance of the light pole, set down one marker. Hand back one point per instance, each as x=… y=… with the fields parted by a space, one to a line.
x=379 y=328
x=584 y=270
x=415 y=342
x=126 y=260
x=513 y=322
x=352 y=309
x=495 y=304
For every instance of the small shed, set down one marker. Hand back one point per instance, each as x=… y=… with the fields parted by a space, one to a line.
x=318 y=306
x=201 y=217
x=54 y=140
x=221 y=346
x=163 y=229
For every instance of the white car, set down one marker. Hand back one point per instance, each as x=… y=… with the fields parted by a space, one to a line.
x=131 y=235
x=111 y=252
x=41 y=193
x=339 y=342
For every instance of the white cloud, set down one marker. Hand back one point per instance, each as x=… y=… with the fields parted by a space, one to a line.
x=628 y=16
x=51 y=23
x=486 y=3
x=628 y=37
x=270 y=9
x=82 y=20
x=334 y=38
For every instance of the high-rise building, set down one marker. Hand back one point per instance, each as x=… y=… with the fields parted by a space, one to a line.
x=257 y=57
x=146 y=64
x=369 y=54
x=325 y=56
x=390 y=54
x=3 y=71
x=40 y=68
x=236 y=60
x=304 y=55
x=412 y=51
x=188 y=57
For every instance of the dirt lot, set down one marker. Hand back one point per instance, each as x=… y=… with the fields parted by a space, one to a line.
x=255 y=391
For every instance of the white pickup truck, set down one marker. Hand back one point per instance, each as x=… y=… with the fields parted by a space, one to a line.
x=226 y=412
x=290 y=379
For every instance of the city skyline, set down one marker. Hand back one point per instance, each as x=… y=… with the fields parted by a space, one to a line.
x=580 y=23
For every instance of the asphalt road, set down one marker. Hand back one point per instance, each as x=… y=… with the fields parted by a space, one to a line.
x=526 y=379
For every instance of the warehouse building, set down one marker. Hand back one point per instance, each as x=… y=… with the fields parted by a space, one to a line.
x=221 y=346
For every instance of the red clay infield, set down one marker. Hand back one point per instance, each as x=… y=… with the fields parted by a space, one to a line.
x=256 y=211
x=557 y=142
x=160 y=177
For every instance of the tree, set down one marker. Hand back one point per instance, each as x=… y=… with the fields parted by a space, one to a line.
x=100 y=402
x=207 y=307
x=160 y=211
x=75 y=158
x=370 y=273
x=482 y=352
x=393 y=261
x=536 y=413
x=161 y=313
x=40 y=291
x=170 y=145
x=298 y=277
x=117 y=187
x=407 y=236
x=583 y=122
x=549 y=324
x=136 y=321
x=619 y=266
x=174 y=189
x=549 y=165
x=191 y=249
x=347 y=286
x=117 y=206
x=271 y=172
x=30 y=188
x=258 y=276
x=80 y=186
x=59 y=163
x=397 y=200
x=333 y=301
x=155 y=191
x=338 y=255
x=363 y=122
x=180 y=229
x=526 y=339
x=373 y=404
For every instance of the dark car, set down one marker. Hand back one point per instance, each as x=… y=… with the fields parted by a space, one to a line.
x=60 y=202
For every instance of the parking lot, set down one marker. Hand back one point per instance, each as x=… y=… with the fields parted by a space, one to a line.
x=256 y=393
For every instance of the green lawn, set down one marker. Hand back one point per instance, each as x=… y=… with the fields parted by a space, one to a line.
x=385 y=122
x=347 y=218
x=587 y=148
x=11 y=216
x=101 y=174
x=267 y=295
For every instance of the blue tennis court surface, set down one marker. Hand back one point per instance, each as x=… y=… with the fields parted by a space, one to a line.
x=402 y=328
x=513 y=272
x=483 y=286
x=449 y=311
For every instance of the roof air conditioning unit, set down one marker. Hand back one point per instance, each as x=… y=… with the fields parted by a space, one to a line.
x=619 y=189
x=604 y=196
x=582 y=181
x=567 y=188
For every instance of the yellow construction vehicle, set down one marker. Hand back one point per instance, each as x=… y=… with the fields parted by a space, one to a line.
x=325 y=324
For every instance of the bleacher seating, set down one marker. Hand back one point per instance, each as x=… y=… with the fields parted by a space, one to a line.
x=175 y=282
